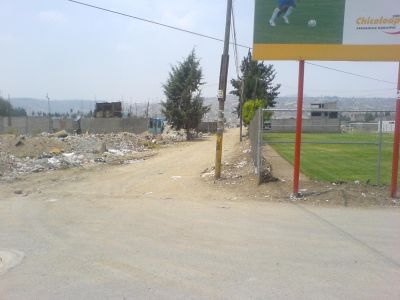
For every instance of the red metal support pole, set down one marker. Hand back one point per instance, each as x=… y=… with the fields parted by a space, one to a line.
x=299 y=123
x=396 y=144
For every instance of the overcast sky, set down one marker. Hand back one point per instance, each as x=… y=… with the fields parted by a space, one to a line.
x=74 y=52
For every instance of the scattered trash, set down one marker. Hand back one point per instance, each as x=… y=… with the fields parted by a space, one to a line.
x=176 y=177
x=295 y=197
x=357 y=182
x=61 y=150
x=241 y=164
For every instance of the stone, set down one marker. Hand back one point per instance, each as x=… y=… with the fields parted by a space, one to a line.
x=100 y=148
x=61 y=134
x=56 y=151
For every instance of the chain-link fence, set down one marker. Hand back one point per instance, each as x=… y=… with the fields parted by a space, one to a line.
x=256 y=140
x=337 y=145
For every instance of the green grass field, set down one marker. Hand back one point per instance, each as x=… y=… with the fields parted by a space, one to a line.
x=329 y=15
x=338 y=162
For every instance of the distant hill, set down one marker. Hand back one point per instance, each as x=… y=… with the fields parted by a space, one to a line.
x=56 y=106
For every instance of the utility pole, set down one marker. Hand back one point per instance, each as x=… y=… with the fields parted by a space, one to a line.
x=9 y=111
x=241 y=109
x=222 y=91
x=48 y=113
x=147 y=109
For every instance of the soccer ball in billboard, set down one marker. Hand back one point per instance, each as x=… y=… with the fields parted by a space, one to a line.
x=312 y=23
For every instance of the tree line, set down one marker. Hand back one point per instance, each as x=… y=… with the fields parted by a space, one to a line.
x=6 y=109
x=184 y=106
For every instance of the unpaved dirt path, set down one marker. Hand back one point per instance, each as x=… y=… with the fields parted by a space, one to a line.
x=156 y=230
x=282 y=169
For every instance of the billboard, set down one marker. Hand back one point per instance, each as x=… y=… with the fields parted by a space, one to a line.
x=363 y=30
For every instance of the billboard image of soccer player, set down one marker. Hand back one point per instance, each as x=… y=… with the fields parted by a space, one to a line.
x=327 y=30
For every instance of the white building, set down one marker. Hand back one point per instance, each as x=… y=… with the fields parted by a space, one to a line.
x=388 y=126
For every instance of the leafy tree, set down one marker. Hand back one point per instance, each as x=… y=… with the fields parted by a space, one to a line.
x=184 y=107
x=369 y=117
x=18 y=112
x=258 y=83
x=6 y=109
x=249 y=109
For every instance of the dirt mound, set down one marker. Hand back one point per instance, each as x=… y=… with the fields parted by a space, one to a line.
x=32 y=147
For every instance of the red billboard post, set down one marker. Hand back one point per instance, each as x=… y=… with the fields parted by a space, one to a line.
x=396 y=144
x=299 y=125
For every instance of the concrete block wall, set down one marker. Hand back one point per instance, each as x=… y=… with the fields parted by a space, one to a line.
x=35 y=125
x=309 y=125
x=25 y=125
x=103 y=125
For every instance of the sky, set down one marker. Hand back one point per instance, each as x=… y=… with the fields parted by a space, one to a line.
x=74 y=52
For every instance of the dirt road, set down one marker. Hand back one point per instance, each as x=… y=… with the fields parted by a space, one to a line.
x=156 y=230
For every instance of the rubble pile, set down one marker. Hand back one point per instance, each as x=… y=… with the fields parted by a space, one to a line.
x=20 y=155
x=170 y=135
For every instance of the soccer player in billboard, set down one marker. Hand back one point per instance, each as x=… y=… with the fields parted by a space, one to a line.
x=285 y=8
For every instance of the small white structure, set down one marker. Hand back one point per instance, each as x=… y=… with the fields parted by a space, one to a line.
x=388 y=126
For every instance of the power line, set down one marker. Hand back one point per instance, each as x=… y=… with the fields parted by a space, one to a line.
x=213 y=38
x=235 y=49
x=350 y=73
x=151 y=22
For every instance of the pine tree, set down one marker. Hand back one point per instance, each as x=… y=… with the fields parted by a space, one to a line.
x=258 y=82
x=184 y=107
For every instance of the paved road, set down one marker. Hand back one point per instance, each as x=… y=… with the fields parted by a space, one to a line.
x=155 y=230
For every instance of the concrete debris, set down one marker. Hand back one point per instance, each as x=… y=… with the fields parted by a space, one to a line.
x=20 y=155
x=100 y=148
x=241 y=164
x=170 y=135
x=60 y=134
x=56 y=151
x=19 y=143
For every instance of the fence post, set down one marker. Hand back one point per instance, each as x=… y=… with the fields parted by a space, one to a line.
x=259 y=130
x=378 y=167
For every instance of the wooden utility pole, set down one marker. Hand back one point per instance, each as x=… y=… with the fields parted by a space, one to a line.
x=49 y=113
x=9 y=112
x=241 y=108
x=223 y=78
